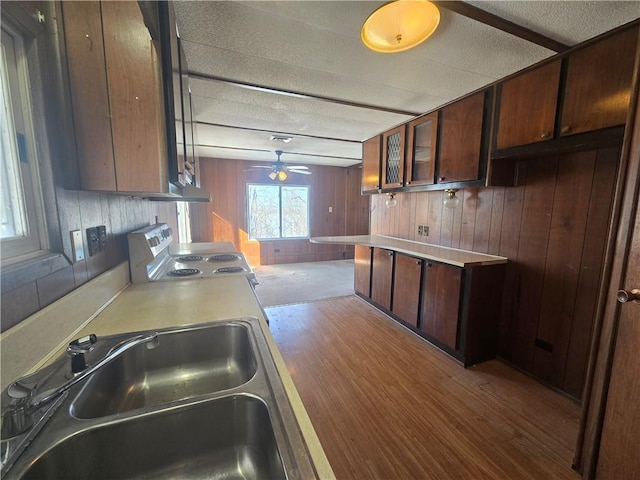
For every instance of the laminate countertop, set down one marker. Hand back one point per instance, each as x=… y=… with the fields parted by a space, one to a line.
x=157 y=305
x=436 y=253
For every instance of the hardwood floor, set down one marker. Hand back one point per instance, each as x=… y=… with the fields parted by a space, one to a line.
x=386 y=404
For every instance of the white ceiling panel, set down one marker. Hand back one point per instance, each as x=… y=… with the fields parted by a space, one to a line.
x=569 y=22
x=314 y=48
x=220 y=103
x=225 y=137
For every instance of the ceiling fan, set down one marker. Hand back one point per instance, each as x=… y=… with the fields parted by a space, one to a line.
x=279 y=169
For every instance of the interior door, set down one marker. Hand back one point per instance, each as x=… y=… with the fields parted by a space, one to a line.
x=620 y=442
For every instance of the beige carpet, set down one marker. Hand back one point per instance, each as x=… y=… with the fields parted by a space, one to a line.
x=303 y=282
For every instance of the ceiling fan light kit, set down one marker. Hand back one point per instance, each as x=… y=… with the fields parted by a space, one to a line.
x=279 y=169
x=400 y=25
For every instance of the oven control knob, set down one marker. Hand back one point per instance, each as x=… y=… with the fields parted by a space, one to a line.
x=154 y=241
x=167 y=232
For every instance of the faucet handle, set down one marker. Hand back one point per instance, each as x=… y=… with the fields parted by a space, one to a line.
x=77 y=349
x=82 y=344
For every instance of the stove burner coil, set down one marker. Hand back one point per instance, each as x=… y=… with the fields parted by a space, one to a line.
x=190 y=258
x=223 y=257
x=184 y=272
x=230 y=270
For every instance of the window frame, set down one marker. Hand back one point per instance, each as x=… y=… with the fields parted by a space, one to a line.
x=279 y=186
x=36 y=240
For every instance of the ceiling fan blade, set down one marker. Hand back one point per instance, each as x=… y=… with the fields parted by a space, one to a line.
x=261 y=166
x=299 y=167
x=303 y=172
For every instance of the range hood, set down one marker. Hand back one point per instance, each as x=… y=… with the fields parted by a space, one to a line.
x=191 y=193
x=187 y=193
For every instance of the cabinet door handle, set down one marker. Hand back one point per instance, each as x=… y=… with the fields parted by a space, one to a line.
x=565 y=129
x=625 y=296
x=545 y=135
x=408 y=183
x=442 y=179
x=418 y=262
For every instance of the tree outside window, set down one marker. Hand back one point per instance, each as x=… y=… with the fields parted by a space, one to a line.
x=277 y=211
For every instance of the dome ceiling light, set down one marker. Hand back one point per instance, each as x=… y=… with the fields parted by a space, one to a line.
x=400 y=25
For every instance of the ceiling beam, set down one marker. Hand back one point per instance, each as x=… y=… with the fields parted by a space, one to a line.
x=289 y=152
x=274 y=132
x=482 y=16
x=294 y=94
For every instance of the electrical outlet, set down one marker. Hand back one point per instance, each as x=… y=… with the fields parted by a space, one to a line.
x=420 y=230
x=425 y=230
x=102 y=237
x=93 y=241
x=276 y=250
x=77 y=246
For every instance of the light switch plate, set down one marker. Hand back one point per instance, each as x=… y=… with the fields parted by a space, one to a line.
x=77 y=246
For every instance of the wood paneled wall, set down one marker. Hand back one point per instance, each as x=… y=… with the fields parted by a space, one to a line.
x=225 y=218
x=553 y=229
x=79 y=210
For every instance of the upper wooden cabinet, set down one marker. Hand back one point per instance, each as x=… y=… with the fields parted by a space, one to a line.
x=88 y=82
x=598 y=84
x=595 y=93
x=393 y=146
x=460 y=145
x=371 y=165
x=421 y=155
x=527 y=108
x=116 y=91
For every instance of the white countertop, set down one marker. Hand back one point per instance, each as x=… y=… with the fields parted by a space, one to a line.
x=436 y=253
x=146 y=306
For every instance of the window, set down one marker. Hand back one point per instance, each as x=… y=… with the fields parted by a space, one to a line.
x=277 y=211
x=22 y=228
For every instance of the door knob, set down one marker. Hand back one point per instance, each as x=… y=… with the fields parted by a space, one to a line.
x=625 y=296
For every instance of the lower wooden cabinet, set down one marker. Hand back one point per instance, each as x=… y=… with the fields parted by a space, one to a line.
x=406 y=292
x=440 y=302
x=457 y=309
x=381 y=277
x=362 y=274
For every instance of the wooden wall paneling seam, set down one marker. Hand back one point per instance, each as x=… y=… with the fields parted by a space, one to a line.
x=562 y=264
x=482 y=220
x=538 y=201
x=618 y=235
x=457 y=220
x=599 y=213
x=468 y=218
x=497 y=217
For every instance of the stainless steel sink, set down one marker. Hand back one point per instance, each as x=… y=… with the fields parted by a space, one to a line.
x=227 y=438
x=186 y=363
x=206 y=402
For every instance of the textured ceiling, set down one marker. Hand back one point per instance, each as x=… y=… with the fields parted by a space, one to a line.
x=314 y=48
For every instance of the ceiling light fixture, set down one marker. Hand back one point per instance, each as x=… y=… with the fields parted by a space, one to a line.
x=282 y=175
x=400 y=25
x=451 y=201
x=273 y=175
x=391 y=200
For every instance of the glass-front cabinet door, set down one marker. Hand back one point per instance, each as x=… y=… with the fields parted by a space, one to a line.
x=393 y=158
x=421 y=162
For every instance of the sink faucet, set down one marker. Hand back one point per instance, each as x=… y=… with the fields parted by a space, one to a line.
x=18 y=415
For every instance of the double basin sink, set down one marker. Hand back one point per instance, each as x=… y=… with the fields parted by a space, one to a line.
x=206 y=402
